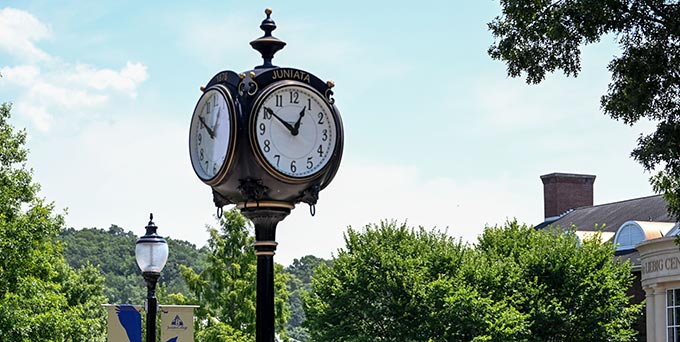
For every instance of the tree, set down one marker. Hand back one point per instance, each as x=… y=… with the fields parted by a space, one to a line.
x=113 y=252
x=299 y=282
x=395 y=283
x=539 y=37
x=566 y=289
x=41 y=297
x=226 y=289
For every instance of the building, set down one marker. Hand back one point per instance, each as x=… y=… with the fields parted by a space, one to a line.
x=644 y=234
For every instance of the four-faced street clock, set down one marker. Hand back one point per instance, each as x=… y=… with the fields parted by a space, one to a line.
x=271 y=135
x=265 y=140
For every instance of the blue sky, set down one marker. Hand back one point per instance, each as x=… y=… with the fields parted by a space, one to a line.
x=435 y=132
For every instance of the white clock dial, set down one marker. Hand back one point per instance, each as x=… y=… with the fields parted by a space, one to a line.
x=294 y=130
x=211 y=135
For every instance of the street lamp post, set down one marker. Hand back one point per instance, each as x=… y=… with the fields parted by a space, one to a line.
x=151 y=252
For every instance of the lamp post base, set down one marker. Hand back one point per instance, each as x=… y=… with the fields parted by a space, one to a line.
x=151 y=279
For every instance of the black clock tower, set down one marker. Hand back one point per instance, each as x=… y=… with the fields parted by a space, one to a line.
x=265 y=140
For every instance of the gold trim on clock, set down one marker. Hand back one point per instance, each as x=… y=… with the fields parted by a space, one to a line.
x=265 y=204
x=224 y=169
x=253 y=131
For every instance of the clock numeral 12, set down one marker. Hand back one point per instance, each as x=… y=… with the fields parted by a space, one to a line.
x=294 y=97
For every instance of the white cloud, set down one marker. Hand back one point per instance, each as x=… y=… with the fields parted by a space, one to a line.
x=125 y=81
x=22 y=75
x=55 y=92
x=69 y=91
x=37 y=114
x=18 y=32
x=52 y=94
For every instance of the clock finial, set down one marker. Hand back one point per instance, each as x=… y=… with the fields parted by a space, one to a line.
x=267 y=45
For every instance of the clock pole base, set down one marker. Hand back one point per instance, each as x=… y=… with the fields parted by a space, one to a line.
x=265 y=220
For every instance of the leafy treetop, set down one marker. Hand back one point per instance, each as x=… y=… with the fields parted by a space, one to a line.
x=41 y=297
x=536 y=37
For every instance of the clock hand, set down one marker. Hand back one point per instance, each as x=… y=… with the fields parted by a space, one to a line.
x=217 y=121
x=296 y=127
x=210 y=131
x=287 y=125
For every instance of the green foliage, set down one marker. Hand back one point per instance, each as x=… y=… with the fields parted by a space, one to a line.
x=386 y=285
x=394 y=283
x=539 y=37
x=113 y=251
x=299 y=282
x=226 y=288
x=303 y=269
x=566 y=289
x=216 y=331
x=41 y=297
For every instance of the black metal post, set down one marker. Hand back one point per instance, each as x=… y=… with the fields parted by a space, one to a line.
x=151 y=279
x=265 y=221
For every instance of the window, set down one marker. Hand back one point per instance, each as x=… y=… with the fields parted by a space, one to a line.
x=629 y=235
x=673 y=315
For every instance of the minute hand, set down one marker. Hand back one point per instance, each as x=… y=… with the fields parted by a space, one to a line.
x=287 y=125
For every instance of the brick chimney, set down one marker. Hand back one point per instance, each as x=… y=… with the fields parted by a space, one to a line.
x=564 y=191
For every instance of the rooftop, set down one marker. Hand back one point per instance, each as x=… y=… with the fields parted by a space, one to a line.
x=610 y=216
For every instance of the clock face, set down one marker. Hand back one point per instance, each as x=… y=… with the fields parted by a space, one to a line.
x=293 y=131
x=211 y=137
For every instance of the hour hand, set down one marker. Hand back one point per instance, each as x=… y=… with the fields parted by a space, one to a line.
x=207 y=128
x=284 y=123
x=296 y=127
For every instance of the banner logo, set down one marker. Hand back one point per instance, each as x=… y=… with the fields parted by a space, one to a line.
x=177 y=323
